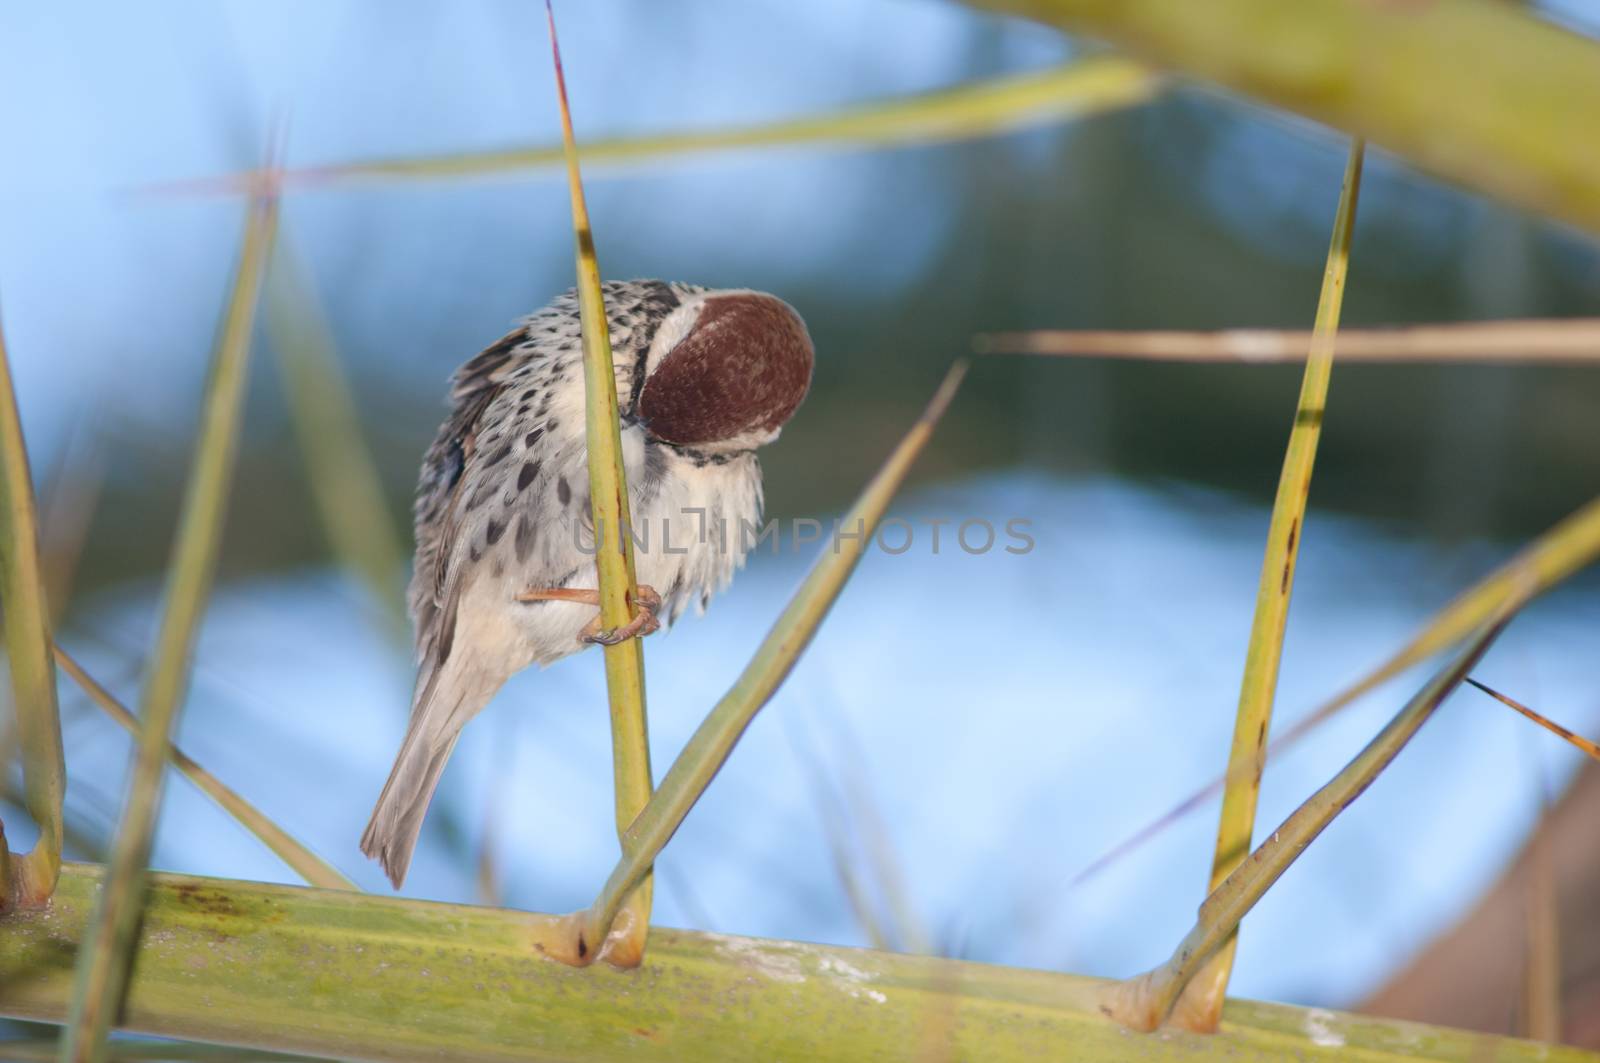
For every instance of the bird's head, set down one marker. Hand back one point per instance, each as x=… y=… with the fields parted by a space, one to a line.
x=724 y=371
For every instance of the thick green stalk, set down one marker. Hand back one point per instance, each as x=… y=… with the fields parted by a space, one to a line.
x=1247 y=756
x=103 y=968
x=28 y=879
x=1480 y=92
x=613 y=551
x=712 y=742
x=356 y=976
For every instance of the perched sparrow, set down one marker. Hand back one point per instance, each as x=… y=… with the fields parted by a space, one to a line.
x=505 y=575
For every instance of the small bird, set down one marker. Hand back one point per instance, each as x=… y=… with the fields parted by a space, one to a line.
x=504 y=573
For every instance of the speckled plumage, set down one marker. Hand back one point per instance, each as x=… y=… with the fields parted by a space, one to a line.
x=503 y=499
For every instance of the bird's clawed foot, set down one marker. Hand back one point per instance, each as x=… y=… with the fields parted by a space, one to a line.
x=645 y=601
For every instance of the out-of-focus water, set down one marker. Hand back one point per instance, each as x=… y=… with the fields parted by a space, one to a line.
x=999 y=719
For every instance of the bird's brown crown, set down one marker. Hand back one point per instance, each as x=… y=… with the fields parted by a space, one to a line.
x=738 y=374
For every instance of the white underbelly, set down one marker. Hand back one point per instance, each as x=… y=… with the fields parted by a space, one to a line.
x=689 y=538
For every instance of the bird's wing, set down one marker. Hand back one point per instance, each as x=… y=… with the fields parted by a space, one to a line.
x=435 y=578
x=495 y=397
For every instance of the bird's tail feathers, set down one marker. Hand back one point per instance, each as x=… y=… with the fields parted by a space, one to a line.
x=451 y=696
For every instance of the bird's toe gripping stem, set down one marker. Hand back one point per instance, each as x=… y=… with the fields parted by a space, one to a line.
x=645 y=601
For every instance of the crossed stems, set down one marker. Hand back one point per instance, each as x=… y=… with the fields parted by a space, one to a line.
x=575 y=942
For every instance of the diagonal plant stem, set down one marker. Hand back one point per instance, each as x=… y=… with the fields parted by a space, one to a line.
x=28 y=879
x=1551 y=558
x=305 y=863
x=709 y=747
x=608 y=494
x=102 y=968
x=66 y=512
x=976 y=109
x=1575 y=740
x=834 y=820
x=1248 y=754
x=339 y=464
x=877 y=843
x=1145 y=1002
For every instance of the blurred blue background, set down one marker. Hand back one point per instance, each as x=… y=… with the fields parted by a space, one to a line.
x=969 y=730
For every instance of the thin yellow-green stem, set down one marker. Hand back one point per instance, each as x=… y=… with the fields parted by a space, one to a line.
x=28 y=879
x=832 y=814
x=1551 y=558
x=1564 y=341
x=305 y=863
x=877 y=845
x=1575 y=740
x=976 y=109
x=608 y=494
x=66 y=513
x=1541 y=989
x=339 y=464
x=1569 y=546
x=712 y=742
x=1248 y=754
x=1146 y=1001
x=103 y=965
